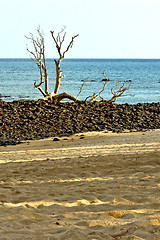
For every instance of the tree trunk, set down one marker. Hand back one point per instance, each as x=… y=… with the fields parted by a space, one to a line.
x=55 y=98
x=58 y=75
x=46 y=82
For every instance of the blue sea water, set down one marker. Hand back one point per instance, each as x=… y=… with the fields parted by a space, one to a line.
x=17 y=77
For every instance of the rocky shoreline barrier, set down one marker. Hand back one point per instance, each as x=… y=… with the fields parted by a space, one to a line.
x=27 y=120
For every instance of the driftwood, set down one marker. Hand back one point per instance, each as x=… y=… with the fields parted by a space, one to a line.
x=38 y=56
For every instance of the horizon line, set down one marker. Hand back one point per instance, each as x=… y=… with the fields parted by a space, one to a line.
x=109 y=58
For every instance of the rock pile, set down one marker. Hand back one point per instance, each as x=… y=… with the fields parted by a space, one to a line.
x=26 y=120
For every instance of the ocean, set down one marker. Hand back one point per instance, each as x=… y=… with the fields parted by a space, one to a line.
x=17 y=77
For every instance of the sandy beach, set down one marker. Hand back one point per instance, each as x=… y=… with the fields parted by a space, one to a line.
x=96 y=185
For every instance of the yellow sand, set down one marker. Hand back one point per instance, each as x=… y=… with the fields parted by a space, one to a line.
x=91 y=186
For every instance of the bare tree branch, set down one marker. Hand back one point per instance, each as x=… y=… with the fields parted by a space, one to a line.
x=125 y=86
x=92 y=97
x=105 y=79
x=81 y=88
x=38 y=56
x=102 y=91
x=59 y=41
x=70 y=44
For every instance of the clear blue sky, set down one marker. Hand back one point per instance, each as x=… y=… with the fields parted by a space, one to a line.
x=107 y=28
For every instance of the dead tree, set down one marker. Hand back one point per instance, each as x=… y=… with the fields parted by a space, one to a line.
x=38 y=56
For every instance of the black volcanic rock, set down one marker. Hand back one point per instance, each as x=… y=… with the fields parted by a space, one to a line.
x=26 y=120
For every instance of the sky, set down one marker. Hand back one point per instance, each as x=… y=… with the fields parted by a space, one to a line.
x=106 y=28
